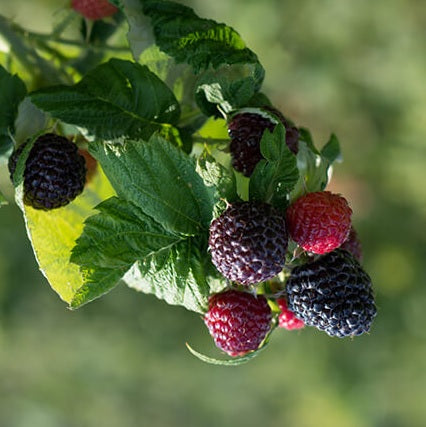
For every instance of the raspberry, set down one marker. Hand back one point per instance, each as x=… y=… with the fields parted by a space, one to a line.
x=248 y=242
x=54 y=172
x=94 y=9
x=353 y=245
x=246 y=130
x=319 y=222
x=238 y=321
x=286 y=318
x=333 y=294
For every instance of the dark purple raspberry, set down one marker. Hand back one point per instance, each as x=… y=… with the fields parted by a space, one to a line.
x=246 y=130
x=334 y=294
x=353 y=245
x=248 y=242
x=238 y=321
x=54 y=172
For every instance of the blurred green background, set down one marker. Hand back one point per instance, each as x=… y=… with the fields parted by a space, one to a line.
x=354 y=68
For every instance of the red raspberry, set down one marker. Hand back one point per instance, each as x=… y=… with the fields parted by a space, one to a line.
x=287 y=319
x=353 y=245
x=238 y=321
x=94 y=9
x=319 y=222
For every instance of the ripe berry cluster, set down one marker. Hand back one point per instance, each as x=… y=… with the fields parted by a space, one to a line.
x=248 y=244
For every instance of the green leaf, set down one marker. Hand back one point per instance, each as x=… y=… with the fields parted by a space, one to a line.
x=53 y=233
x=314 y=171
x=226 y=362
x=331 y=150
x=276 y=175
x=199 y=42
x=219 y=180
x=161 y=180
x=178 y=276
x=111 y=243
x=12 y=92
x=305 y=135
x=117 y=99
x=228 y=87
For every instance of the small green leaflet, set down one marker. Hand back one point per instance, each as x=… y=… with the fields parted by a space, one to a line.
x=161 y=180
x=276 y=175
x=315 y=167
x=53 y=233
x=117 y=99
x=199 y=42
x=12 y=92
x=331 y=150
x=110 y=244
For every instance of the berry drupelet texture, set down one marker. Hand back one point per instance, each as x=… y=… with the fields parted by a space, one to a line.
x=246 y=130
x=319 y=222
x=54 y=172
x=333 y=294
x=248 y=242
x=94 y=9
x=238 y=321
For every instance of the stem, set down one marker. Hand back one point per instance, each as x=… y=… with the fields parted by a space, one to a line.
x=207 y=140
x=77 y=43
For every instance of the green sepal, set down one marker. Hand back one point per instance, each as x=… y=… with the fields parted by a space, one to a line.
x=226 y=362
x=276 y=175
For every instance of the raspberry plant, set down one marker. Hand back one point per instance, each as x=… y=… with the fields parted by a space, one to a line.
x=152 y=118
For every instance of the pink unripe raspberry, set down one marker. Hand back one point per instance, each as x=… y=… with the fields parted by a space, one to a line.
x=319 y=222
x=238 y=321
x=94 y=9
x=286 y=318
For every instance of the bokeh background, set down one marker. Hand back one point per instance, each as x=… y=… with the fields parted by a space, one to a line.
x=354 y=68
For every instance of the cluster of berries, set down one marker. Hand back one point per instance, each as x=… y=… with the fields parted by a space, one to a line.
x=249 y=242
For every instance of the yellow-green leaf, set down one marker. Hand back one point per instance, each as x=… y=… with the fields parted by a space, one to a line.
x=53 y=235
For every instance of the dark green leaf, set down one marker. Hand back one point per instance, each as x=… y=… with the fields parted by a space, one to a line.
x=177 y=276
x=161 y=180
x=110 y=244
x=229 y=87
x=331 y=150
x=274 y=178
x=199 y=42
x=116 y=99
x=12 y=92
